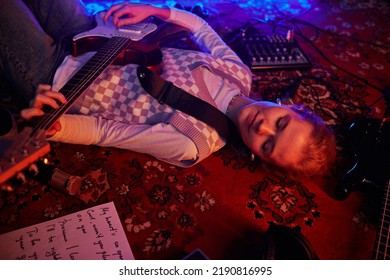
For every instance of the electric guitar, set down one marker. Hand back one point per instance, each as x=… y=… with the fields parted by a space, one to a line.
x=137 y=44
x=370 y=139
x=382 y=242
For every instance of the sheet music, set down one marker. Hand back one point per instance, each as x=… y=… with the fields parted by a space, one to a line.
x=95 y=233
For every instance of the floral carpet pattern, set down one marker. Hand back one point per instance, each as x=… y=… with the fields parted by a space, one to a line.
x=225 y=203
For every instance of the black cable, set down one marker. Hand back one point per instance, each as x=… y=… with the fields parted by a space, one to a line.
x=324 y=56
x=289 y=18
x=318 y=29
x=339 y=67
x=293 y=20
x=364 y=81
x=335 y=94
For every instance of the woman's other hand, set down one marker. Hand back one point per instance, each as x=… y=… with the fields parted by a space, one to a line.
x=130 y=13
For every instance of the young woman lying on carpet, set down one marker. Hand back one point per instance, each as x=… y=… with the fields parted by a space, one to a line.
x=116 y=111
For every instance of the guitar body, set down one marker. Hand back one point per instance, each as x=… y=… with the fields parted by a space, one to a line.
x=371 y=172
x=17 y=155
x=370 y=142
x=135 y=44
x=140 y=53
x=278 y=242
x=148 y=37
x=134 y=32
x=285 y=243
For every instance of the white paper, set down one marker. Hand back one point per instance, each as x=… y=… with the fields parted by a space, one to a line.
x=95 y=233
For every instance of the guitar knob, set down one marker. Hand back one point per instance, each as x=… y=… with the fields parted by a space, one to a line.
x=33 y=170
x=20 y=178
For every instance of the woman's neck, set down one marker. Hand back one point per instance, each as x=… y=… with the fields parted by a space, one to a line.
x=235 y=105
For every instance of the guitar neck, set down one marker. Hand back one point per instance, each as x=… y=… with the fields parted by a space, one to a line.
x=123 y=47
x=382 y=249
x=86 y=76
x=31 y=143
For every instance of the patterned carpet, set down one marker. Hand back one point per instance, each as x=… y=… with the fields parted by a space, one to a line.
x=225 y=204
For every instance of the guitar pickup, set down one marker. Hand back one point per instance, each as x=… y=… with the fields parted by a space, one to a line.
x=130 y=29
x=135 y=32
x=136 y=28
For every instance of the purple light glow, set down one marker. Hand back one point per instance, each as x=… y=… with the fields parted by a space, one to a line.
x=270 y=9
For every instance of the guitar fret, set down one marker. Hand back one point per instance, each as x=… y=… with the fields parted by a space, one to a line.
x=88 y=73
x=386 y=216
x=382 y=251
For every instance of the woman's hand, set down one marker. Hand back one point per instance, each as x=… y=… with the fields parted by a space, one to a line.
x=44 y=96
x=130 y=13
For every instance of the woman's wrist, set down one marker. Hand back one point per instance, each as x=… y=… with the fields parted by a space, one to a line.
x=162 y=13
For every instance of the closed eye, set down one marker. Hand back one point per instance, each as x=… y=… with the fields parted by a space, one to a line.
x=269 y=145
x=282 y=122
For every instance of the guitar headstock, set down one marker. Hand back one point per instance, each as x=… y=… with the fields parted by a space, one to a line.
x=21 y=150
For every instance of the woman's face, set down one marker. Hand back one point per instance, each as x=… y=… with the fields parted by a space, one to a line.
x=273 y=132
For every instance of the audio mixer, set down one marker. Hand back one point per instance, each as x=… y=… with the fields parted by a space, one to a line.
x=271 y=52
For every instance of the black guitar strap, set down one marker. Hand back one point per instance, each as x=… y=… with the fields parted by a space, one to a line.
x=167 y=93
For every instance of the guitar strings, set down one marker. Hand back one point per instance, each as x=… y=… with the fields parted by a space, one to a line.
x=85 y=83
x=383 y=234
x=94 y=72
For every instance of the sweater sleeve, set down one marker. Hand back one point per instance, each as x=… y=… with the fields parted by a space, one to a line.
x=161 y=140
x=205 y=36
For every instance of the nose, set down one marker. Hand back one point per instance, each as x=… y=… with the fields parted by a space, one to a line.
x=264 y=128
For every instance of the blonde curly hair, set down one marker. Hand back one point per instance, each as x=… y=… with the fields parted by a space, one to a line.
x=320 y=152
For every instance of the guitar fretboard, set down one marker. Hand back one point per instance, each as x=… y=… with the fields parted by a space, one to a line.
x=86 y=76
x=30 y=144
x=382 y=250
